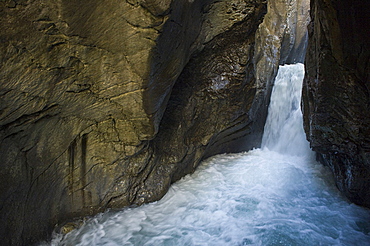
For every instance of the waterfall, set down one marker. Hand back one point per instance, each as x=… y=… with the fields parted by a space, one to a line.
x=277 y=195
x=284 y=125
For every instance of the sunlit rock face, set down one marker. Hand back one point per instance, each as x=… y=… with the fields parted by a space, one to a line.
x=73 y=75
x=280 y=39
x=85 y=86
x=336 y=99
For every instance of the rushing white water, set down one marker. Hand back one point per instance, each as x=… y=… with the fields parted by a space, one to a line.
x=261 y=197
x=284 y=125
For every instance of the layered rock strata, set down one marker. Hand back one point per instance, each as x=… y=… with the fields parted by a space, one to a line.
x=336 y=93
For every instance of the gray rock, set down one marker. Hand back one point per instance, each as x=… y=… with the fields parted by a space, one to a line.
x=336 y=93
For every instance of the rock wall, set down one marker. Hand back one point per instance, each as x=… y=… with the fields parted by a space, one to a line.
x=105 y=104
x=91 y=115
x=336 y=93
x=280 y=39
x=210 y=108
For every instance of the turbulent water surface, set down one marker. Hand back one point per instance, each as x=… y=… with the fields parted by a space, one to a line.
x=277 y=195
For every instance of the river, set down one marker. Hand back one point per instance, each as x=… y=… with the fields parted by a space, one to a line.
x=276 y=195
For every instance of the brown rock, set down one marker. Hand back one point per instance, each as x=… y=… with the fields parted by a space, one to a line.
x=84 y=87
x=105 y=104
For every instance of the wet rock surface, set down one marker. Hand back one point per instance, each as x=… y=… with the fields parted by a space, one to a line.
x=210 y=110
x=336 y=93
x=105 y=104
x=85 y=86
x=280 y=39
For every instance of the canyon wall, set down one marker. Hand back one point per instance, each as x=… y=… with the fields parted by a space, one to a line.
x=336 y=93
x=105 y=104
x=85 y=86
x=280 y=39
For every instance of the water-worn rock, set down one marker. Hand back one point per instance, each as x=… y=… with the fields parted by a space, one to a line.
x=84 y=87
x=336 y=93
x=280 y=39
x=71 y=106
x=210 y=110
x=105 y=104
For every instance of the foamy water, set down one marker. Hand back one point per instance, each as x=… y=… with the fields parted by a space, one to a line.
x=255 y=198
x=284 y=125
x=262 y=197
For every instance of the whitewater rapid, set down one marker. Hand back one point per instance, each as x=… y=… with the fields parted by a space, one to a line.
x=277 y=195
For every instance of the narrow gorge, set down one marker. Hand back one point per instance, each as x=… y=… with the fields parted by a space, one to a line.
x=275 y=195
x=105 y=104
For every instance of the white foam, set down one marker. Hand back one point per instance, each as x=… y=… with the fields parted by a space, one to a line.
x=284 y=126
x=257 y=198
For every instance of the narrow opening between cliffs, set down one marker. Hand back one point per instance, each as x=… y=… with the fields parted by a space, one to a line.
x=277 y=195
x=179 y=122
